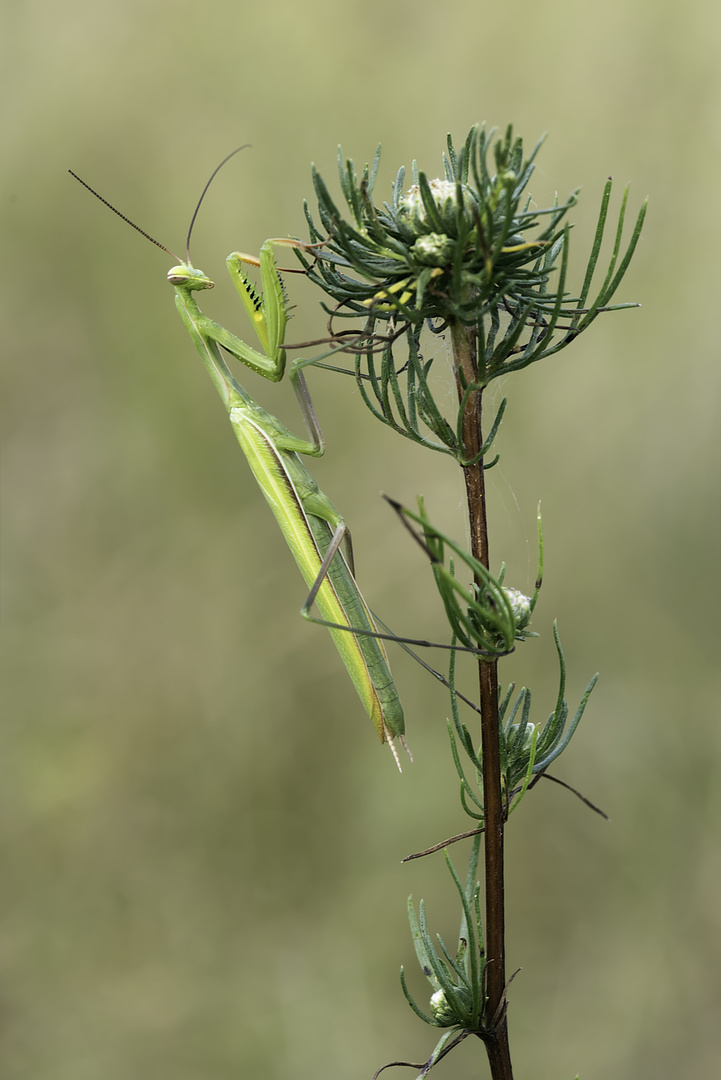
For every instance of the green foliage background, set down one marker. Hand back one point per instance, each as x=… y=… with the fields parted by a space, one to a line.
x=201 y=837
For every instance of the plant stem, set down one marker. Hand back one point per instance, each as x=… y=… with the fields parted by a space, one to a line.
x=496 y=1038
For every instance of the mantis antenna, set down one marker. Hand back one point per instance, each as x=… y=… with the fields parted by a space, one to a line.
x=125 y=217
x=147 y=235
x=212 y=177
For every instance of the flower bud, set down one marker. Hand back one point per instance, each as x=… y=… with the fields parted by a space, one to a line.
x=444 y=193
x=447 y=1012
x=520 y=606
x=434 y=249
x=526 y=735
x=441 y=1010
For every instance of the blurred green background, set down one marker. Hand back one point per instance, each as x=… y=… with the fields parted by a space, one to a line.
x=201 y=836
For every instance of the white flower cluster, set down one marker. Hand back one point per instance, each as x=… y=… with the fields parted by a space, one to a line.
x=441 y=190
x=444 y=194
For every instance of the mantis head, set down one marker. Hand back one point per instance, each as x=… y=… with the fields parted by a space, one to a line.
x=185 y=276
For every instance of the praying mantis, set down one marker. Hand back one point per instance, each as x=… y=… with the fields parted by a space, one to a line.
x=312 y=527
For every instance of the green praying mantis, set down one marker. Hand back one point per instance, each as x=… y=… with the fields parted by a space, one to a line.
x=313 y=528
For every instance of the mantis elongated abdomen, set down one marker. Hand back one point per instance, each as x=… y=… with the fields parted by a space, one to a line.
x=310 y=524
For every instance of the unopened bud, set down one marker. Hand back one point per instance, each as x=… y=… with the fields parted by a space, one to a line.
x=520 y=606
x=434 y=249
x=444 y=194
x=441 y=1010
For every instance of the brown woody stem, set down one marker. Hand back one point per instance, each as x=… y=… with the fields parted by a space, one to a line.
x=496 y=1037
